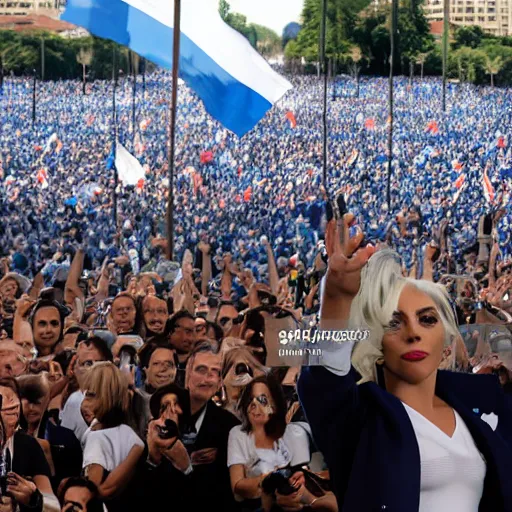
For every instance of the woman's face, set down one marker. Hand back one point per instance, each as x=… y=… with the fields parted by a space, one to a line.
x=261 y=406
x=90 y=405
x=10 y=410
x=170 y=408
x=33 y=411
x=8 y=289
x=47 y=328
x=414 y=341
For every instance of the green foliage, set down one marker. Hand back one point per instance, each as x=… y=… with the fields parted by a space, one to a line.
x=348 y=24
x=268 y=42
x=470 y=36
x=21 y=55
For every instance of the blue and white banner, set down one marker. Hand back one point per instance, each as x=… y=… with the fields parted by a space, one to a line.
x=236 y=84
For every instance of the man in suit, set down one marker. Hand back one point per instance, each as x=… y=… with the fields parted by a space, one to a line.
x=206 y=434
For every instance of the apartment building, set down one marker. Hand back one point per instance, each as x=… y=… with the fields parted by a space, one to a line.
x=24 y=7
x=494 y=16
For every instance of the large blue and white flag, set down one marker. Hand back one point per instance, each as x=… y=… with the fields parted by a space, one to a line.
x=236 y=84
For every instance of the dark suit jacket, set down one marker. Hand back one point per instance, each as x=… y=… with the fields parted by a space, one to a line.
x=211 y=481
x=371 y=449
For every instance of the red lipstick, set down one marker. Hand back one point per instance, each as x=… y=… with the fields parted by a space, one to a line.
x=415 y=355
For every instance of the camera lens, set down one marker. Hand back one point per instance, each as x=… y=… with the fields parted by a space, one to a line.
x=242 y=368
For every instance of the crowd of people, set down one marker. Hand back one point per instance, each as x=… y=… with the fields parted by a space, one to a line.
x=128 y=380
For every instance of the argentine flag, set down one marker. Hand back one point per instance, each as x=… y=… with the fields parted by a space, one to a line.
x=236 y=84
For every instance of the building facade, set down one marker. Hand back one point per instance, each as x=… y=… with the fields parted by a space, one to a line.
x=493 y=16
x=24 y=7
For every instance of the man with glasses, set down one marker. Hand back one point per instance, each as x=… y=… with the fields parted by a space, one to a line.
x=183 y=338
x=206 y=433
x=90 y=351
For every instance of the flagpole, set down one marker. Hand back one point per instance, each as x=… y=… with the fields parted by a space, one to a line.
x=134 y=95
x=172 y=141
x=446 y=15
x=114 y=141
x=34 y=98
x=324 y=116
x=391 y=99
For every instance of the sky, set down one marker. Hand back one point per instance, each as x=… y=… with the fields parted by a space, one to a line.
x=274 y=14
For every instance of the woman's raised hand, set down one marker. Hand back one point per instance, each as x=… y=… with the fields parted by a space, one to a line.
x=346 y=258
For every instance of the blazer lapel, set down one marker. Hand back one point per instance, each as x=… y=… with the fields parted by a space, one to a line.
x=492 y=447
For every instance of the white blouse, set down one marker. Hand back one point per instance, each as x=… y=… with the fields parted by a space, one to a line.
x=452 y=468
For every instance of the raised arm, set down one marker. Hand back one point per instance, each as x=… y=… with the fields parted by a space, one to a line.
x=73 y=289
x=335 y=382
x=272 y=267
x=206 y=273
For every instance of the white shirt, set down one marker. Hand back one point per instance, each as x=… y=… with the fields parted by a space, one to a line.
x=109 y=447
x=292 y=448
x=452 y=468
x=71 y=415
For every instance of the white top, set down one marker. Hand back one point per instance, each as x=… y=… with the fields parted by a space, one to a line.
x=452 y=468
x=109 y=447
x=71 y=415
x=292 y=448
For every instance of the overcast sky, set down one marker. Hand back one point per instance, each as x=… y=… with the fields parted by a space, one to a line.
x=275 y=14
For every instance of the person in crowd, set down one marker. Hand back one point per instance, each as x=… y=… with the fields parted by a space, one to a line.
x=167 y=471
x=80 y=495
x=13 y=362
x=239 y=367
x=206 y=430
x=125 y=314
x=264 y=442
x=47 y=321
x=155 y=314
x=74 y=414
x=111 y=448
x=28 y=478
x=158 y=363
x=182 y=337
x=447 y=420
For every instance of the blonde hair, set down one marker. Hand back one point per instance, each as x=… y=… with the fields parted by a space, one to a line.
x=377 y=300
x=106 y=381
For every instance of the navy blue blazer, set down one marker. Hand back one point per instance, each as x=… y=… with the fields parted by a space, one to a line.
x=370 y=447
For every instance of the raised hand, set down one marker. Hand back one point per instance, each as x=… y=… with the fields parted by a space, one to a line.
x=346 y=259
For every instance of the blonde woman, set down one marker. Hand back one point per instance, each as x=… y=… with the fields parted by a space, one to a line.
x=112 y=448
x=396 y=433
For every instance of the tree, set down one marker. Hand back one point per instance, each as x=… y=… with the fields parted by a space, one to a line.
x=290 y=32
x=470 y=36
x=224 y=9
x=84 y=58
x=238 y=22
x=355 y=56
x=292 y=55
x=268 y=42
x=421 y=58
x=493 y=67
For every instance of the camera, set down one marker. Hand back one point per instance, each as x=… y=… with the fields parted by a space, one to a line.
x=278 y=481
x=169 y=431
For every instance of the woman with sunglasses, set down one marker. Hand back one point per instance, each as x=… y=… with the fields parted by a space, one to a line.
x=264 y=443
x=28 y=474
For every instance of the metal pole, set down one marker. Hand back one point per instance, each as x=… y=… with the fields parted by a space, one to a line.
x=394 y=9
x=143 y=64
x=172 y=141
x=446 y=17
x=43 y=56
x=114 y=132
x=324 y=115
x=134 y=95
x=34 y=98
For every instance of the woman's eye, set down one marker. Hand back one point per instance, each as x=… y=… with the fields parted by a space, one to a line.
x=429 y=320
x=394 y=324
